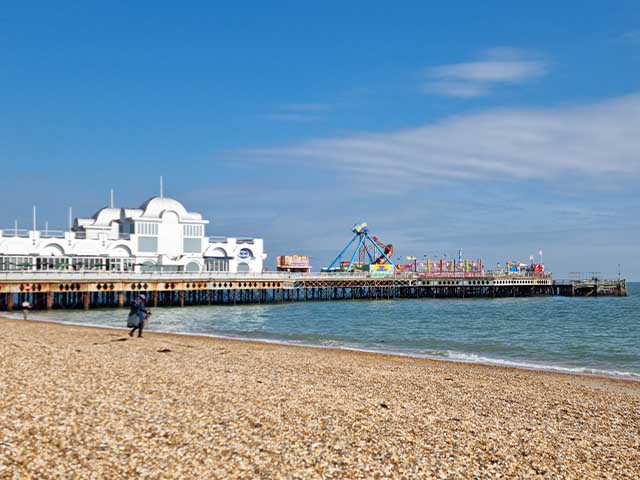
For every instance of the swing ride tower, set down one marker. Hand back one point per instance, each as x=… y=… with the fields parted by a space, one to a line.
x=369 y=250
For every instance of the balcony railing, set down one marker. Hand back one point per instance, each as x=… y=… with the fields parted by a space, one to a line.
x=52 y=234
x=15 y=232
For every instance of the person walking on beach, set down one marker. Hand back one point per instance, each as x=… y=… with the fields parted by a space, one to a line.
x=26 y=306
x=137 y=315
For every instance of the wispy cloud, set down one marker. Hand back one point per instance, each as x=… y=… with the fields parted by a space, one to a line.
x=632 y=36
x=502 y=183
x=472 y=79
x=301 y=112
x=595 y=141
x=457 y=89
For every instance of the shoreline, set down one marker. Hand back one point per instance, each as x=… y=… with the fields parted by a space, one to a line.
x=497 y=363
x=349 y=350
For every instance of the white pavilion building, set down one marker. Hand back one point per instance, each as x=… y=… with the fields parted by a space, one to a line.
x=159 y=236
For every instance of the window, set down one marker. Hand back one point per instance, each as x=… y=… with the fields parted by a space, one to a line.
x=146 y=228
x=192 y=267
x=52 y=263
x=89 y=263
x=16 y=263
x=148 y=244
x=190 y=230
x=192 y=245
x=217 y=264
x=149 y=266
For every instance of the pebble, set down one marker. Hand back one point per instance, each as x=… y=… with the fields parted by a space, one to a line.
x=75 y=403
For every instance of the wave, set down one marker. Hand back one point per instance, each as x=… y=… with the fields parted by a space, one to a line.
x=441 y=355
x=473 y=358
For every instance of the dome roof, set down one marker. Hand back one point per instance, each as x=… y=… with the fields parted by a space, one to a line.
x=105 y=216
x=156 y=206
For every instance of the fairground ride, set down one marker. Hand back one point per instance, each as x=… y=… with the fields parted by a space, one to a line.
x=369 y=250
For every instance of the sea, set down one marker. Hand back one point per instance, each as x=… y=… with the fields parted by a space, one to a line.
x=595 y=336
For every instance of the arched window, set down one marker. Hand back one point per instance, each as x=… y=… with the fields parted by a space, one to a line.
x=192 y=267
x=149 y=266
x=52 y=250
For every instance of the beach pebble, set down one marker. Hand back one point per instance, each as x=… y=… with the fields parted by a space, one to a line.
x=75 y=404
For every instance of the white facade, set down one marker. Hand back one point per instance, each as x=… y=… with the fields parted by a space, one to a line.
x=160 y=236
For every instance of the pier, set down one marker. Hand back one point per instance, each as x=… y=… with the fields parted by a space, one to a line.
x=85 y=290
x=593 y=287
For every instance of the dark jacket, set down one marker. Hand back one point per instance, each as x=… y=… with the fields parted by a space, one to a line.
x=138 y=309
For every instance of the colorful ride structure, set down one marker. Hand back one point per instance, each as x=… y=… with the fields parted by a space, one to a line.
x=369 y=255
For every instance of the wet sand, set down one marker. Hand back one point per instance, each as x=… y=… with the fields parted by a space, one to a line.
x=79 y=402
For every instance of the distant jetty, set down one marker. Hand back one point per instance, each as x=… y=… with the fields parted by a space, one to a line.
x=592 y=287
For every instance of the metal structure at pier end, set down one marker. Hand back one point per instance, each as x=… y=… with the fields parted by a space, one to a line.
x=368 y=251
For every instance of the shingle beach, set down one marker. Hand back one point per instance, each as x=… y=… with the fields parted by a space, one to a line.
x=78 y=402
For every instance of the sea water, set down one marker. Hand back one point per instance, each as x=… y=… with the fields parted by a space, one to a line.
x=598 y=336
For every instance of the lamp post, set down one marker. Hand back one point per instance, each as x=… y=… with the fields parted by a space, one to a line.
x=619 y=271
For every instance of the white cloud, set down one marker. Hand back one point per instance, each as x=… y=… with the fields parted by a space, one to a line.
x=597 y=141
x=457 y=89
x=632 y=36
x=472 y=79
x=300 y=112
x=501 y=184
x=490 y=71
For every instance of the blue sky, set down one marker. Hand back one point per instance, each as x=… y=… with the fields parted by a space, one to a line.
x=498 y=128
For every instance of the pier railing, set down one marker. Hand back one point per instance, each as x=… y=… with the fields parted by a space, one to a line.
x=89 y=275
x=113 y=275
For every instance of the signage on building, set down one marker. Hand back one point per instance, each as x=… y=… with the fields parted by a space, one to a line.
x=383 y=269
x=245 y=253
x=298 y=261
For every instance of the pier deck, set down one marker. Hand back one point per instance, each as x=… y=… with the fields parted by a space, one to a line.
x=47 y=290
x=591 y=288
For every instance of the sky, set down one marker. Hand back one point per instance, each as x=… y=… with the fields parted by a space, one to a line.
x=498 y=128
